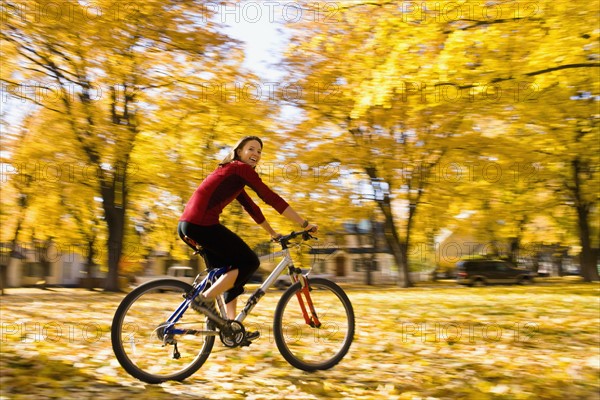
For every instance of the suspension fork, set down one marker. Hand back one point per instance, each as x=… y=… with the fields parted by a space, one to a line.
x=312 y=320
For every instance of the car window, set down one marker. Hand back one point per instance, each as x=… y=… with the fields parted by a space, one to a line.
x=486 y=266
x=472 y=266
x=500 y=267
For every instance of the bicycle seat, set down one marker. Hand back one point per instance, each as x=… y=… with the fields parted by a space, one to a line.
x=193 y=244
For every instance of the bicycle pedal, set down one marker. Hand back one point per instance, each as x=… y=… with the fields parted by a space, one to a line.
x=250 y=338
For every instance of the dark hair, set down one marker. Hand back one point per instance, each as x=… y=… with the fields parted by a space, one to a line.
x=239 y=145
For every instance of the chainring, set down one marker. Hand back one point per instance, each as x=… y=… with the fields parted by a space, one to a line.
x=232 y=334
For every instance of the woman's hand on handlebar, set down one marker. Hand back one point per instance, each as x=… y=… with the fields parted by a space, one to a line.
x=311 y=228
x=276 y=236
x=305 y=233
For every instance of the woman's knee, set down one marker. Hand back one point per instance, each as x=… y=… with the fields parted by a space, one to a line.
x=232 y=294
x=246 y=270
x=254 y=263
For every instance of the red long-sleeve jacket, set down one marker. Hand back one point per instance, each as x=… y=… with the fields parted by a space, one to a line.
x=224 y=185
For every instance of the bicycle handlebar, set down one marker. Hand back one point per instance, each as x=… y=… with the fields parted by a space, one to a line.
x=284 y=240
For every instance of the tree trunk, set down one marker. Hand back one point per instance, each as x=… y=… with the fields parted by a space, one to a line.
x=90 y=264
x=515 y=244
x=44 y=260
x=589 y=270
x=115 y=220
x=374 y=250
x=362 y=241
x=115 y=249
x=399 y=249
x=6 y=257
x=409 y=224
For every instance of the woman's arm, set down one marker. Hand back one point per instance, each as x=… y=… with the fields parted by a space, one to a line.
x=267 y=227
x=273 y=199
x=293 y=216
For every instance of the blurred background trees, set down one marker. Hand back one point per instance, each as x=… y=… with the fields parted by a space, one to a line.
x=425 y=116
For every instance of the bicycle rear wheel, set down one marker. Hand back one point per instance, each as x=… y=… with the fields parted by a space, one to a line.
x=137 y=333
x=314 y=348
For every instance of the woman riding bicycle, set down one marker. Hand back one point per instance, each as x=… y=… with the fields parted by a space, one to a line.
x=200 y=221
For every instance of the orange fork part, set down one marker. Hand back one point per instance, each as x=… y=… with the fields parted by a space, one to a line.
x=313 y=319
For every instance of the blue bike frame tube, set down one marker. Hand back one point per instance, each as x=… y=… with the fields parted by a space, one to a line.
x=212 y=276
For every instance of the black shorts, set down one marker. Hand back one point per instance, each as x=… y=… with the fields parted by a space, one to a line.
x=223 y=248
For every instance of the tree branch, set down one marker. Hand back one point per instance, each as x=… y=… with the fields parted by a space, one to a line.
x=533 y=73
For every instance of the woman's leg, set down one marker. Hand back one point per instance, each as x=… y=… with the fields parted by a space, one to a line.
x=231 y=308
x=225 y=282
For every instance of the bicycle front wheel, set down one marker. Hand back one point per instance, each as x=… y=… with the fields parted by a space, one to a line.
x=314 y=348
x=138 y=333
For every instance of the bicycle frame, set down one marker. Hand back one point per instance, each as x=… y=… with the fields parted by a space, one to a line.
x=286 y=261
x=295 y=275
x=253 y=300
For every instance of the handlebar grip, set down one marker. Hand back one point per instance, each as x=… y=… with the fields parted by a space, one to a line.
x=305 y=236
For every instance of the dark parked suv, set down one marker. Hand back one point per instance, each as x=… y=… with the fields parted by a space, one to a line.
x=487 y=272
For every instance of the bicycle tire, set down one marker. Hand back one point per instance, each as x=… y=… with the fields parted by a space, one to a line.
x=311 y=349
x=135 y=326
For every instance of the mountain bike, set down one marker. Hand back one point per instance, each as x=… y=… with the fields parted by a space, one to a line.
x=157 y=335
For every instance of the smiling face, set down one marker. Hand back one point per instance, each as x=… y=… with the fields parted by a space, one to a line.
x=250 y=153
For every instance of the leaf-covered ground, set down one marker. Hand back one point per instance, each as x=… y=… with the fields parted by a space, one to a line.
x=430 y=342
